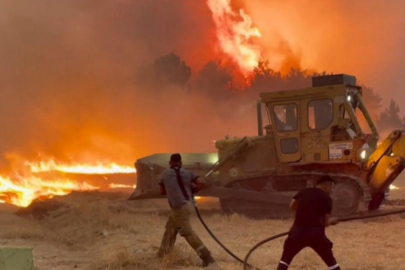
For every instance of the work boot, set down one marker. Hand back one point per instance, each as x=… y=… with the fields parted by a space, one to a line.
x=206 y=257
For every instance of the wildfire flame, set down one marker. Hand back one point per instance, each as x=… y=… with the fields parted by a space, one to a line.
x=235 y=33
x=98 y=168
x=113 y=185
x=21 y=191
x=22 y=188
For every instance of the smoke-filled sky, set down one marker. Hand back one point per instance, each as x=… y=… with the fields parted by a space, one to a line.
x=363 y=38
x=69 y=68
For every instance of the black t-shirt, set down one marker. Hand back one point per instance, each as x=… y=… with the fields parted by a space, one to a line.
x=313 y=205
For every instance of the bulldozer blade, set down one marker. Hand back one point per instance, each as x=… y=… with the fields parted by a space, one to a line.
x=149 y=170
x=140 y=194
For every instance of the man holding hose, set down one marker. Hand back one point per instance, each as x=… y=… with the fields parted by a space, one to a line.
x=313 y=207
x=178 y=184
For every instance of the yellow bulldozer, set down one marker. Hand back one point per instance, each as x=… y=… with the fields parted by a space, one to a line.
x=310 y=132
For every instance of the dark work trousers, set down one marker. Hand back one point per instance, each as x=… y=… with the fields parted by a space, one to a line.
x=302 y=237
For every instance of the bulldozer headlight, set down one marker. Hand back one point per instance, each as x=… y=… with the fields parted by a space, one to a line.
x=363 y=154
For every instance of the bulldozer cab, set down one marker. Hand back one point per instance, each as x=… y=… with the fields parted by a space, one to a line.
x=320 y=124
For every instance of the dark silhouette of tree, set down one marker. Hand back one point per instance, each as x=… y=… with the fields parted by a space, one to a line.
x=215 y=81
x=298 y=78
x=266 y=79
x=171 y=69
x=389 y=119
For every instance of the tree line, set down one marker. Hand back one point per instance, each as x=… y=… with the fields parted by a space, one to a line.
x=219 y=82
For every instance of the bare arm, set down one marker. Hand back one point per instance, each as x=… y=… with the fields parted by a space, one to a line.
x=330 y=220
x=197 y=184
x=294 y=205
x=162 y=187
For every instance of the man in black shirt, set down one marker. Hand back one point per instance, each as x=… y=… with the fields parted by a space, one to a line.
x=313 y=207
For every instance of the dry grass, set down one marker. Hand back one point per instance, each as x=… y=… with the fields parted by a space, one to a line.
x=104 y=231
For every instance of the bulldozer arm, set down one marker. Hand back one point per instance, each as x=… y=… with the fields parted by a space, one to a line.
x=150 y=168
x=386 y=162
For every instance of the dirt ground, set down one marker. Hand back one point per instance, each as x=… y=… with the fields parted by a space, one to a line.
x=105 y=231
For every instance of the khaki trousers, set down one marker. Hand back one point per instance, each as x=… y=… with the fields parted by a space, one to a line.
x=179 y=222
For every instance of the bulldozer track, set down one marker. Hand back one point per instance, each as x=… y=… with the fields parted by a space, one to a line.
x=304 y=176
x=265 y=183
x=395 y=202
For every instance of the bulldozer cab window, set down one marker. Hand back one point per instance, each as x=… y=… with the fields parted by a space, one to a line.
x=320 y=114
x=286 y=117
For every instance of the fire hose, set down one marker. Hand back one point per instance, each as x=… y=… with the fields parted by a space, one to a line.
x=274 y=237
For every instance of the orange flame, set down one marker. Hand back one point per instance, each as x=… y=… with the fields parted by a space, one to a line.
x=21 y=191
x=113 y=185
x=98 y=168
x=235 y=33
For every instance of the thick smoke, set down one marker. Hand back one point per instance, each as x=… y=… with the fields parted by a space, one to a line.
x=71 y=70
x=69 y=79
x=363 y=38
